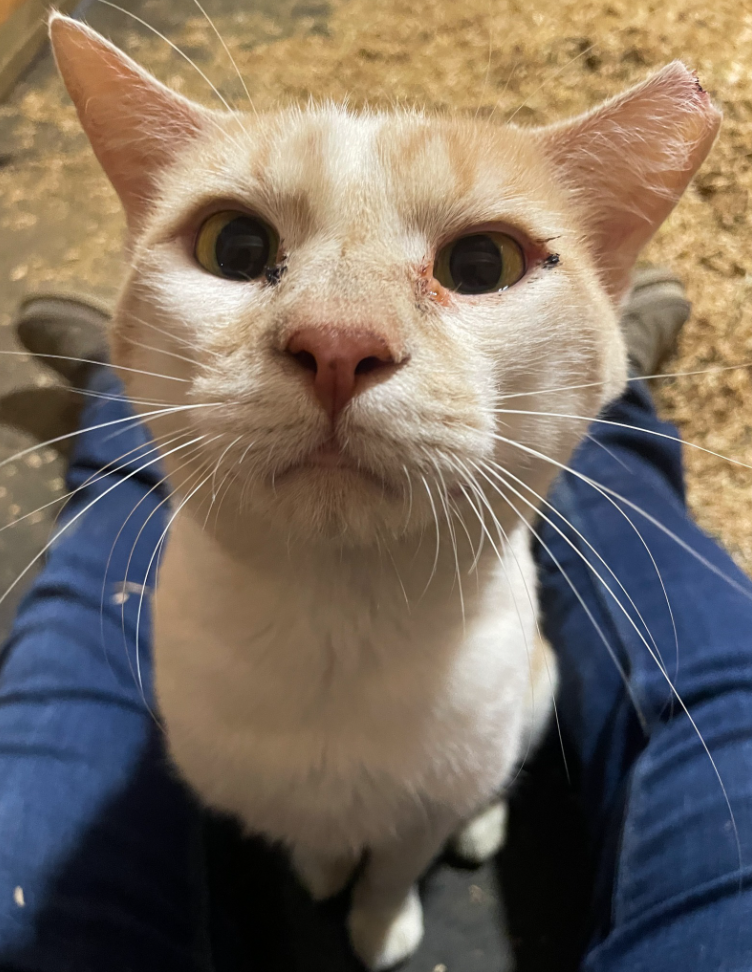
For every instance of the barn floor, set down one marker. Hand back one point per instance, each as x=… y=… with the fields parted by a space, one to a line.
x=60 y=229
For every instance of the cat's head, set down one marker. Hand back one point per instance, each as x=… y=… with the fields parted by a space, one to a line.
x=354 y=296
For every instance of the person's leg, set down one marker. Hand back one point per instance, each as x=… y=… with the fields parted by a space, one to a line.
x=100 y=849
x=670 y=821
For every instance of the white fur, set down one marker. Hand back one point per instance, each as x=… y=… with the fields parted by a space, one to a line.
x=484 y=835
x=382 y=938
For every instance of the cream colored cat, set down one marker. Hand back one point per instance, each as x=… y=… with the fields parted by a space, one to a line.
x=346 y=647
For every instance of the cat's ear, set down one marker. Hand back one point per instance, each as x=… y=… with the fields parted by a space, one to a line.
x=629 y=161
x=136 y=125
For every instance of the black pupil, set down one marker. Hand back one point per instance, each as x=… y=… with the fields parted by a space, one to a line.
x=242 y=248
x=475 y=265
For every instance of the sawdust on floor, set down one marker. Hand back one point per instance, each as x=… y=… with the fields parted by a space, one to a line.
x=534 y=61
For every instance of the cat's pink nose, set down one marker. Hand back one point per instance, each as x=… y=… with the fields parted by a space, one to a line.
x=338 y=361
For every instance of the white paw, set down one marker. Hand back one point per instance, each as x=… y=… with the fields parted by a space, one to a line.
x=384 y=937
x=322 y=877
x=483 y=836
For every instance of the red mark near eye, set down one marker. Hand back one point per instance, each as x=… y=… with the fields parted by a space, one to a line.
x=429 y=286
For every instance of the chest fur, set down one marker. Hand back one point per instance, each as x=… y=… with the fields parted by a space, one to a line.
x=302 y=700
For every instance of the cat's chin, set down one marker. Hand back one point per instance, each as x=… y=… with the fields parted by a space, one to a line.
x=334 y=502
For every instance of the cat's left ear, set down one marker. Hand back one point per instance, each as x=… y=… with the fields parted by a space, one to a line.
x=628 y=162
x=136 y=126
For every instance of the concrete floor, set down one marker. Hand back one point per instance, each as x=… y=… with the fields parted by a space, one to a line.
x=61 y=231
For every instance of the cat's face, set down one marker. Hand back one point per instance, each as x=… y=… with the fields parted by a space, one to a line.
x=354 y=297
x=360 y=207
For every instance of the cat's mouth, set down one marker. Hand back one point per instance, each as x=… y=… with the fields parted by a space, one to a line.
x=330 y=459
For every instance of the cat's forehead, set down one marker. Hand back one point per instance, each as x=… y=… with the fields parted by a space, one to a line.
x=330 y=168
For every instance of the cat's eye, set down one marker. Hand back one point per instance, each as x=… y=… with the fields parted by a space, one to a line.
x=236 y=246
x=480 y=264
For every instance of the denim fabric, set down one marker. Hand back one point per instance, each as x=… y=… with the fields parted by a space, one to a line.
x=101 y=866
x=99 y=843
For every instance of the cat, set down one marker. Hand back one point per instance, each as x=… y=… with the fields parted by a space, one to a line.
x=346 y=647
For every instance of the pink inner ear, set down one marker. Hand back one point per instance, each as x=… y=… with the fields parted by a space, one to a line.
x=629 y=161
x=136 y=126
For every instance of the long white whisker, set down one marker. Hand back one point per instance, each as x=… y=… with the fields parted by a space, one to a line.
x=408 y=477
x=128 y=399
x=626 y=425
x=548 y=80
x=438 y=535
x=523 y=631
x=543 y=500
x=638 y=509
x=580 y=599
x=504 y=475
x=219 y=463
x=103 y=425
x=73 y=519
x=149 y=567
x=661 y=667
x=90 y=361
x=196 y=68
x=599 y=384
x=95 y=478
x=124 y=586
x=137 y=674
x=175 y=337
x=228 y=53
x=453 y=538
x=471 y=481
x=148 y=347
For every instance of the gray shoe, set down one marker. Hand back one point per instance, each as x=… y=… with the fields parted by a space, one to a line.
x=655 y=311
x=68 y=334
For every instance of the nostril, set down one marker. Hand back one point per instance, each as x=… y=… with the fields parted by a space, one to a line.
x=306 y=360
x=368 y=364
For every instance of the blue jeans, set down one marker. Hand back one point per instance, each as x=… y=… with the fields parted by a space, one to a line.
x=102 y=856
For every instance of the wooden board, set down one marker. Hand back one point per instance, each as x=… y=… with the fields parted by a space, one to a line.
x=23 y=29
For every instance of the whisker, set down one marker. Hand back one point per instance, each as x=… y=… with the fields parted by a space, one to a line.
x=523 y=631
x=580 y=599
x=191 y=454
x=548 y=80
x=77 y=516
x=228 y=53
x=103 y=425
x=95 y=478
x=408 y=477
x=174 y=337
x=532 y=602
x=453 y=537
x=146 y=495
x=92 y=361
x=638 y=509
x=438 y=535
x=128 y=399
x=219 y=463
x=626 y=425
x=595 y=553
x=598 y=384
x=155 y=553
x=196 y=68
x=155 y=350
x=660 y=666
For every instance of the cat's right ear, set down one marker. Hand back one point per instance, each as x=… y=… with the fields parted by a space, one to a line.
x=136 y=126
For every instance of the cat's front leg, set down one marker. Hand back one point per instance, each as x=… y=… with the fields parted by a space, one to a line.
x=386 y=917
x=483 y=836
